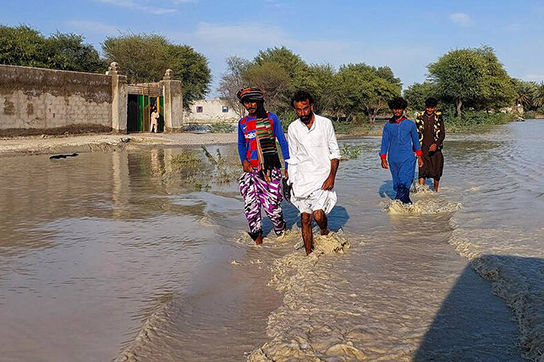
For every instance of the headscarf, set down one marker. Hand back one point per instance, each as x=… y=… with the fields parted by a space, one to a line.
x=251 y=94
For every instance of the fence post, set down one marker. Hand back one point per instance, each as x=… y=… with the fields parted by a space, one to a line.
x=119 y=103
x=173 y=102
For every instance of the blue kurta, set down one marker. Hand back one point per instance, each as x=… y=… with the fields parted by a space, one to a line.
x=399 y=142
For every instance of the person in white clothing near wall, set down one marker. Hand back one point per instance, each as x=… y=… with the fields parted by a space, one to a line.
x=154 y=124
x=314 y=157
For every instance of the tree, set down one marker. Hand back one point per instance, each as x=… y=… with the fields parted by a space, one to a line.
x=526 y=94
x=292 y=63
x=361 y=88
x=273 y=79
x=67 y=52
x=145 y=58
x=417 y=93
x=473 y=77
x=27 y=47
x=232 y=81
x=319 y=81
x=498 y=90
x=539 y=95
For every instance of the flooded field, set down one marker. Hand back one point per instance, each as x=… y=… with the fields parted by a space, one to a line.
x=143 y=256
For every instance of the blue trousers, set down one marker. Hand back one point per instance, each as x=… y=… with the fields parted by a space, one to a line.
x=403 y=175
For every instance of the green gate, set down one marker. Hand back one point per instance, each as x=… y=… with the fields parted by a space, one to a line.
x=139 y=111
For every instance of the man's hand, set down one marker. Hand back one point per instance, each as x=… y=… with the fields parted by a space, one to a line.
x=286 y=174
x=384 y=163
x=246 y=166
x=329 y=183
x=433 y=147
x=419 y=161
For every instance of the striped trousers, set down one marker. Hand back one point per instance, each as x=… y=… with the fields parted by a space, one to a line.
x=257 y=194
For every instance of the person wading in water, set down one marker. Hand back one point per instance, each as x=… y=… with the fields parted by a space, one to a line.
x=313 y=162
x=430 y=128
x=260 y=184
x=399 y=143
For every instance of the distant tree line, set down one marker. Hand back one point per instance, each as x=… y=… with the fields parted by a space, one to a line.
x=463 y=80
x=474 y=79
x=354 y=92
x=25 y=46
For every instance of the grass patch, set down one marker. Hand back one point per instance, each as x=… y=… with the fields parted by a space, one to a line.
x=475 y=121
x=222 y=127
x=350 y=152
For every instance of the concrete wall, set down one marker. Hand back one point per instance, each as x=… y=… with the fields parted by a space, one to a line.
x=41 y=99
x=212 y=112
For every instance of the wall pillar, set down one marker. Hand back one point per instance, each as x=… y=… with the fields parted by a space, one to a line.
x=119 y=102
x=173 y=103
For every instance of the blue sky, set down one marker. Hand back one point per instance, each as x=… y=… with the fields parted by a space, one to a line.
x=404 y=35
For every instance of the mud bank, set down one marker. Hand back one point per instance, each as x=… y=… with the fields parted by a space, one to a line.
x=46 y=144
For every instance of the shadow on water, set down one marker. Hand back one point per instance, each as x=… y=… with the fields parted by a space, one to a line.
x=337 y=218
x=471 y=324
x=386 y=190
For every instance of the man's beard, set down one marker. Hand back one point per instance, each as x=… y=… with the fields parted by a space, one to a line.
x=306 y=119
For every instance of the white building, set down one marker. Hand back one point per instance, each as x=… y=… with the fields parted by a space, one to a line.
x=208 y=111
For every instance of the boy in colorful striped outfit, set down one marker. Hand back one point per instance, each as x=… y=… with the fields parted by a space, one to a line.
x=400 y=141
x=260 y=185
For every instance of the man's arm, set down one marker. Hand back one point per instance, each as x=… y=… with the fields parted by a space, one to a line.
x=442 y=134
x=280 y=136
x=416 y=145
x=242 y=150
x=334 y=155
x=329 y=182
x=383 y=149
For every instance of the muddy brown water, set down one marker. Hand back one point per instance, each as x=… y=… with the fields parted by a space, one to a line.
x=109 y=255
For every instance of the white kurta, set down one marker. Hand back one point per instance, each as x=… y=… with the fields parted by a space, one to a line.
x=310 y=154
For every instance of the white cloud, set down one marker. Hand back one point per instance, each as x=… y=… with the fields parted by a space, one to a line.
x=460 y=18
x=534 y=77
x=247 y=35
x=140 y=6
x=94 y=27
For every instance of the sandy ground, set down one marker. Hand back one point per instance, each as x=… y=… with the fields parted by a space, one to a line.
x=102 y=142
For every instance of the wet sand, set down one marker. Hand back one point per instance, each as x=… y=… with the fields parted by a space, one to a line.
x=108 y=142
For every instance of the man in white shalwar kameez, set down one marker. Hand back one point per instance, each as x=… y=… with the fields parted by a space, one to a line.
x=314 y=159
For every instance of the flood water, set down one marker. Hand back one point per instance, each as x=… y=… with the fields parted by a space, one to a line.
x=117 y=256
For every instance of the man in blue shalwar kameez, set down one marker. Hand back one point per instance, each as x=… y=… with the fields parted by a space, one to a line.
x=400 y=141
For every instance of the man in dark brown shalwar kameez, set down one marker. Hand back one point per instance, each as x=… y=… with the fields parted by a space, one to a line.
x=430 y=127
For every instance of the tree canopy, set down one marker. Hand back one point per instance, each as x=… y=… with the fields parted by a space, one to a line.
x=353 y=90
x=472 y=77
x=25 y=46
x=145 y=58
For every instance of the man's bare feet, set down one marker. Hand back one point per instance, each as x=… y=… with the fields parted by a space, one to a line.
x=259 y=239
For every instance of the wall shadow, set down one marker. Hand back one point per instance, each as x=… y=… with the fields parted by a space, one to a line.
x=473 y=324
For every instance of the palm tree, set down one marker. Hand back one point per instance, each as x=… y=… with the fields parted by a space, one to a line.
x=538 y=99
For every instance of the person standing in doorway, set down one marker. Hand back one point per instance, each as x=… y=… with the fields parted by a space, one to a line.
x=313 y=163
x=154 y=120
x=430 y=128
x=260 y=184
x=399 y=143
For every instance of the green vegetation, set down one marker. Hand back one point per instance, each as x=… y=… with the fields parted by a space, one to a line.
x=349 y=152
x=201 y=170
x=222 y=127
x=355 y=93
x=25 y=46
x=473 y=121
x=474 y=90
x=145 y=58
